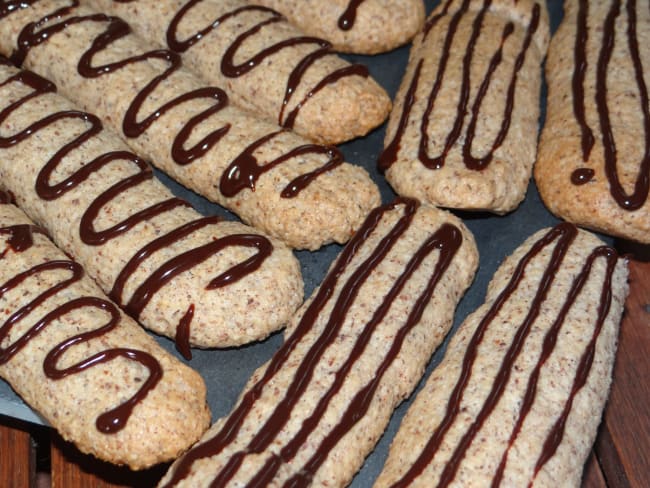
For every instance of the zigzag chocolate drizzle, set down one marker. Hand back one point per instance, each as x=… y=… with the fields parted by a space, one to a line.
x=232 y=70
x=151 y=285
x=36 y=33
x=20 y=240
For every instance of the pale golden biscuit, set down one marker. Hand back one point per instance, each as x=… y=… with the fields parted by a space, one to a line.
x=275 y=180
x=264 y=64
x=463 y=130
x=519 y=395
x=353 y=352
x=85 y=367
x=202 y=281
x=593 y=167
x=356 y=26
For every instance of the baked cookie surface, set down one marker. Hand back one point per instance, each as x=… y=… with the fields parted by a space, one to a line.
x=463 y=130
x=265 y=65
x=352 y=353
x=356 y=26
x=87 y=368
x=196 y=279
x=273 y=179
x=519 y=395
x=593 y=167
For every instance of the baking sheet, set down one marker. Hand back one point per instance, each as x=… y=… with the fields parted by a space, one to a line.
x=226 y=371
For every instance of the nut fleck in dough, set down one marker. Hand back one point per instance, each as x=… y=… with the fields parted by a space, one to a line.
x=519 y=395
x=356 y=26
x=275 y=180
x=463 y=130
x=353 y=352
x=264 y=64
x=76 y=359
x=593 y=167
x=155 y=255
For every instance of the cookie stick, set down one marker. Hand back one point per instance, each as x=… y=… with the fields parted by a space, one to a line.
x=264 y=64
x=463 y=130
x=273 y=179
x=353 y=352
x=356 y=26
x=204 y=282
x=88 y=369
x=593 y=167
x=519 y=395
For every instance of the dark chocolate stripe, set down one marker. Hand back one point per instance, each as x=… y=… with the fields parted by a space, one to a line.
x=564 y=234
x=446 y=240
x=349 y=15
x=548 y=347
x=114 y=419
x=390 y=153
x=639 y=195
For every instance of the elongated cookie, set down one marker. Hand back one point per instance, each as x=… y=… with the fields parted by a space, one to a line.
x=272 y=178
x=87 y=368
x=353 y=352
x=519 y=395
x=199 y=280
x=463 y=130
x=264 y=64
x=593 y=167
x=357 y=26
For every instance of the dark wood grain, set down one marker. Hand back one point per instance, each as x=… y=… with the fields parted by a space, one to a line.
x=16 y=455
x=623 y=446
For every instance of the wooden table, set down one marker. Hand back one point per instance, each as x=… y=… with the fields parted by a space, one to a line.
x=621 y=456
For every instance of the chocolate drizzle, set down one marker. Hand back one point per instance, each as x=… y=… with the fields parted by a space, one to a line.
x=390 y=153
x=108 y=422
x=348 y=17
x=446 y=240
x=639 y=196
x=34 y=34
x=563 y=235
x=244 y=171
x=167 y=271
x=232 y=70
x=582 y=176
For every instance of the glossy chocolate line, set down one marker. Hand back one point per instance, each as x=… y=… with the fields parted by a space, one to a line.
x=116 y=418
x=390 y=153
x=20 y=236
x=305 y=371
x=447 y=240
x=578 y=79
x=232 y=70
x=564 y=234
x=90 y=236
x=480 y=163
x=244 y=170
x=425 y=159
x=31 y=36
x=349 y=15
x=639 y=196
x=548 y=347
x=586 y=360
